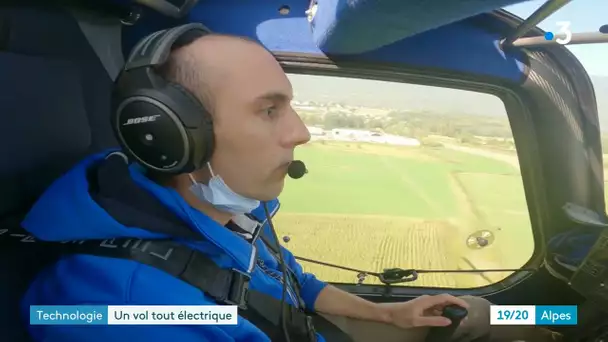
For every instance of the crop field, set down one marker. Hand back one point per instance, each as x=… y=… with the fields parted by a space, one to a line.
x=371 y=207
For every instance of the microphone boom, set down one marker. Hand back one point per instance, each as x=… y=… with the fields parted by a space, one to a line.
x=297 y=169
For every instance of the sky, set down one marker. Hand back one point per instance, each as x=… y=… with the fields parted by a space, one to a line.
x=584 y=16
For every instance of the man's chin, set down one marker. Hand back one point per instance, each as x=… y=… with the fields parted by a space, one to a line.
x=271 y=192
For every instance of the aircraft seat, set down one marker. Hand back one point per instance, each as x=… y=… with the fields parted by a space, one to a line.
x=54 y=107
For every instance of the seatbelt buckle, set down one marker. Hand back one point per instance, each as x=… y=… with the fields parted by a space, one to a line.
x=239 y=288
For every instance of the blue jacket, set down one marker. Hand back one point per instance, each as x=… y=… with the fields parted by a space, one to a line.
x=67 y=211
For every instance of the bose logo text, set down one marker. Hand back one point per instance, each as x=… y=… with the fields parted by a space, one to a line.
x=142 y=119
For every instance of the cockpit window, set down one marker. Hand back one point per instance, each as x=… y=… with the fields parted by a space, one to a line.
x=407 y=176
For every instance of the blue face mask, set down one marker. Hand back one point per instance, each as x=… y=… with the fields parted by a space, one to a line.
x=221 y=196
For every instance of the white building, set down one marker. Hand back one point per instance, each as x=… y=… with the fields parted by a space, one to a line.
x=315 y=130
x=344 y=134
x=351 y=134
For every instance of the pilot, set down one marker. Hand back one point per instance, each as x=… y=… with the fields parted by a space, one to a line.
x=218 y=209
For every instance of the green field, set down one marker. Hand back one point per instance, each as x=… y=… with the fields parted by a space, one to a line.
x=372 y=207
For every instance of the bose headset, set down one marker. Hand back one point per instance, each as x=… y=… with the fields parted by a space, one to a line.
x=161 y=124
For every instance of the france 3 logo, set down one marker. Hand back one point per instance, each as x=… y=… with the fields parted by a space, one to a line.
x=563 y=36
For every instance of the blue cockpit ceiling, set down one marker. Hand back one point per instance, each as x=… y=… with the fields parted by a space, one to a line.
x=381 y=22
x=418 y=33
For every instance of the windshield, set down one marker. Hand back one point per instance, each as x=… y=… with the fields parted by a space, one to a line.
x=408 y=176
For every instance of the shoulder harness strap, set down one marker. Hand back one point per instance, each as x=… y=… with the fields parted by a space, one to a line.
x=225 y=286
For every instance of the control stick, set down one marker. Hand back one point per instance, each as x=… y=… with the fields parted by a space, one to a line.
x=454 y=313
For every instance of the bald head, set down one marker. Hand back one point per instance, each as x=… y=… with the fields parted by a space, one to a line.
x=207 y=62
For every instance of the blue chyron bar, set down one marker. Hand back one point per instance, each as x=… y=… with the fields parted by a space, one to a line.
x=544 y=315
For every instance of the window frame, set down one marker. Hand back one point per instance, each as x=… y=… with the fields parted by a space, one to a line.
x=520 y=119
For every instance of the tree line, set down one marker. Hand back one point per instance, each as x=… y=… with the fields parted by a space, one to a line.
x=417 y=125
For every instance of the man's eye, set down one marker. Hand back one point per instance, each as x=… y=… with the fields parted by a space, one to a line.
x=270 y=110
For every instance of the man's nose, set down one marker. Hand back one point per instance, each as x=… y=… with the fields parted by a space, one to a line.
x=297 y=132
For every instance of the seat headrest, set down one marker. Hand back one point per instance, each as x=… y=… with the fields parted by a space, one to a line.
x=54 y=102
x=44 y=125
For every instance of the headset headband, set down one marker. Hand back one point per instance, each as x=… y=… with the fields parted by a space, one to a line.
x=154 y=50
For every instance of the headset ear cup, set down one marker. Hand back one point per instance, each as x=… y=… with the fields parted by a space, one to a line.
x=194 y=114
x=152 y=132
